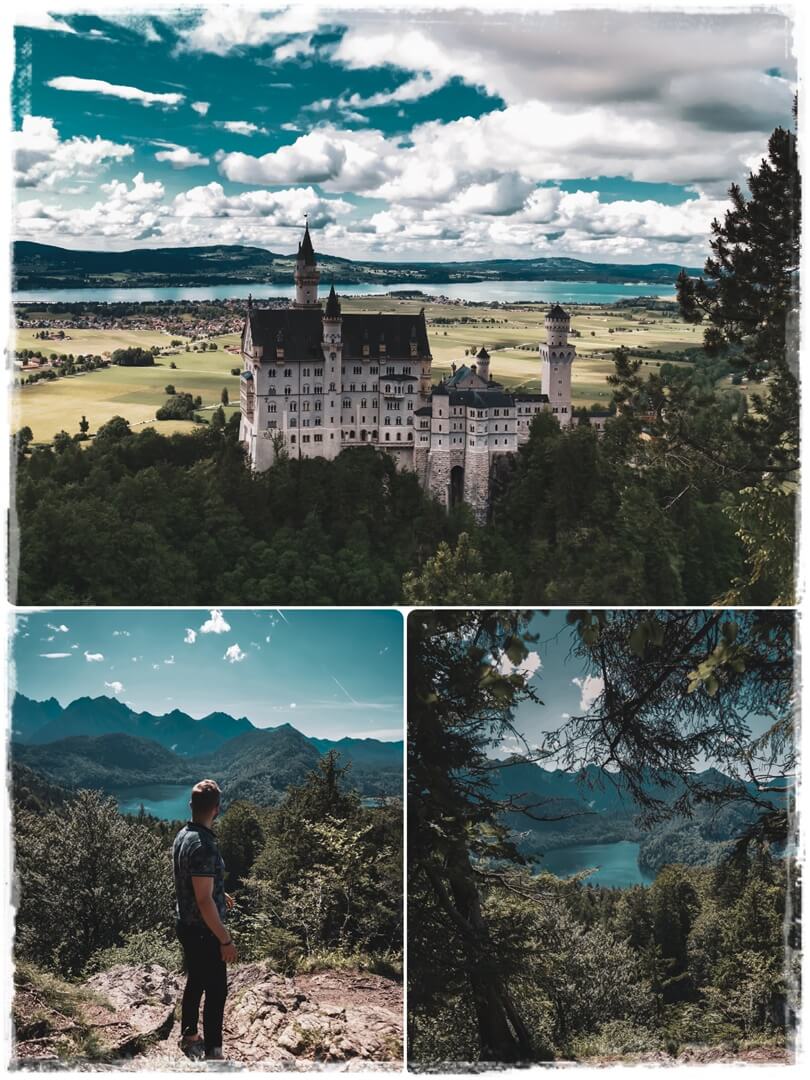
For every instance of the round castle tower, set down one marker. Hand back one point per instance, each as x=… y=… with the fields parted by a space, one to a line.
x=556 y=359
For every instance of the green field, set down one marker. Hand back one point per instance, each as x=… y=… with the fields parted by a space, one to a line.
x=135 y=393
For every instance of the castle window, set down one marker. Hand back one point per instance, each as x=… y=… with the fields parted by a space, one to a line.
x=410 y=436
x=390 y=370
x=366 y=350
x=305 y=406
x=272 y=424
x=387 y=420
x=332 y=386
x=292 y=438
x=409 y=405
x=374 y=370
x=293 y=406
x=305 y=438
x=305 y=389
x=271 y=390
x=333 y=357
x=317 y=389
x=357 y=371
x=362 y=388
x=317 y=438
x=399 y=436
x=351 y=434
x=388 y=388
x=305 y=371
x=293 y=422
x=399 y=421
x=410 y=388
x=271 y=374
x=272 y=407
x=317 y=421
x=472 y=442
x=387 y=436
x=318 y=371
x=363 y=403
x=287 y=391
x=406 y=370
x=287 y=373
x=318 y=406
x=347 y=403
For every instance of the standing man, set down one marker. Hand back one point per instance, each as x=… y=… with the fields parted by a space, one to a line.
x=202 y=907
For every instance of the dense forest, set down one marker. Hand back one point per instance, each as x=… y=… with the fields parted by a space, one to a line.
x=507 y=963
x=317 y=879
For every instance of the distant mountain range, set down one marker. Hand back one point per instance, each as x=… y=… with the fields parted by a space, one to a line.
x=102 y=743
x=593 y=806
x=43 y=266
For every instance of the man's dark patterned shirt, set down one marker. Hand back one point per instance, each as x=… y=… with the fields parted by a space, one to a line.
x=195 y=854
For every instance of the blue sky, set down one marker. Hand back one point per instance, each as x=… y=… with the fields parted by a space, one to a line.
x=328 y=673
x=454 y=134
x=566 y=686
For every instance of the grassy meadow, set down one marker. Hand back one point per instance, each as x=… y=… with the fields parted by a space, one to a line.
x=510 y=335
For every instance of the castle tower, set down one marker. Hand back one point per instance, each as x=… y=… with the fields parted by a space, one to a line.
x=556 y=359
x=483 y=363
x=307 y=274
x=333 y=362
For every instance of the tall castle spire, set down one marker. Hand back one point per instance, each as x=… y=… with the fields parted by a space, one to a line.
x=307 y=274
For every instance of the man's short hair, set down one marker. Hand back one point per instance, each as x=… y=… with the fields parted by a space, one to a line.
x=205 y=796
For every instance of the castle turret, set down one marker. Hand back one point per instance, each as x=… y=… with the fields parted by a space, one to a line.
x=483 y=363
x=307 y=274
x=556 y=359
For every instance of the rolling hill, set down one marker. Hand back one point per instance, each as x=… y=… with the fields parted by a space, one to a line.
x=45 y=266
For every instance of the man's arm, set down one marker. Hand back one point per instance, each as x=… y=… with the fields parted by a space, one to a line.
x=204 y=895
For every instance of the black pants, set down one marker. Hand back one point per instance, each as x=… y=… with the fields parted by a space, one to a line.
x=206 y=975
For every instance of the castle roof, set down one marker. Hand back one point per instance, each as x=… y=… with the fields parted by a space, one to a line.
x=482 y=399
x=531 y=397
x=299 y=331
x=483 y=354
x=556 y=312
x=425 y=410
x=333 y=305
x=305 y=248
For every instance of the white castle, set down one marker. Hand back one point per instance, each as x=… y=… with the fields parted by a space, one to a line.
x=316 y=381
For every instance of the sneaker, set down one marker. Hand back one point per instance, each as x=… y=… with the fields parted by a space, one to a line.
x=192 y=1048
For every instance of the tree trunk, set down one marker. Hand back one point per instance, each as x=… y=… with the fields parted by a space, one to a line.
x=502 y=1035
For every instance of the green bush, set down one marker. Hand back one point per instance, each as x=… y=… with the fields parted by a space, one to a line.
x=142 y=947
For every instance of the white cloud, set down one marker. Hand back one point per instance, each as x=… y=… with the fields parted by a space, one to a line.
x=215 y=623
x=180 y=157
x=77 y=84
x=293 y=705
x=55 y=655
x=222 y=30
x=591 y=686
x=121 y=633
x=41 y=159
x=297 y=46
x=240 y=127
x=41 y=20
x=528 y=667
x=234 y=655
x=286 y=207
x=93 y=657
x=191 y=636
x=115 y=686
x=169 y=661
x=201 y=107
x=60 y=629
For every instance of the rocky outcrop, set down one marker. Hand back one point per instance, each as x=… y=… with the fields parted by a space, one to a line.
x=338 y=1020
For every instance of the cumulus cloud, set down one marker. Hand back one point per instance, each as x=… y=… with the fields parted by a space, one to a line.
x=215 y=623
x=222 y=30
x=240 y=127
x=234 y=655
x=42 y=160
x=60 y=629
x=528 y=667
x=115 y=686
x=76 y=84
x=121 y=633
x=93 y=657
x=180 y=157
x=590 y=687
x=169 y=661
x=286 y=207
x=201 y=107
x=191 y=636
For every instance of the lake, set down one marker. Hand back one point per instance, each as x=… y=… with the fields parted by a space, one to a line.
x=563 y=292
x=167 y=801
x=617 y=863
